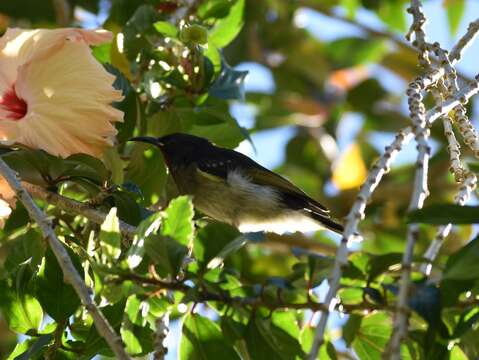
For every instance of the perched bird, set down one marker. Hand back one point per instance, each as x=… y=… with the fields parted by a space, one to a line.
x=230 y=187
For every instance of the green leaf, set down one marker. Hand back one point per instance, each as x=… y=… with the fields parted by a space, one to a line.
x=226 y=29
x=115 y=165
x=110 y=238
x=94 y=343
x=139 y=25
x=445 y=214
x=147 y=169
x=351 y=328
x=102 y=53
x=373 y=335
x=21 y=310
x=351 y=7
x=266 y=340
x=128 y=209
x=149 y=226
x=214 y=9
x=28 y=246
x=20 y=348
x=347 y=52
x=166 y=253
x=88 y=167
x=393 y=13
x=38 y=345
x=201 y=339
x=211 y=239
x=166 y=28
x=138 y=340
x=58 y=298
x=135 y=310
x=232 y=247
x=378 y=264
x=178 y=220
x=455 y=12
x=463 y=264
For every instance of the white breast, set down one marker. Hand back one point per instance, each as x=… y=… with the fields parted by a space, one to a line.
x=264 y=213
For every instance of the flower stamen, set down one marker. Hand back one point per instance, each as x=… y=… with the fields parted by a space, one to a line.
x=15 y=107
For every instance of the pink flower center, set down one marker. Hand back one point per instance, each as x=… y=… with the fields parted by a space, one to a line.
x=15 y=107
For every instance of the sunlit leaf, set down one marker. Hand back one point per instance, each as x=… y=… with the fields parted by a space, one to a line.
x=110 y=237
x=372 y=336
x=201 y=339
x=178 y=220
x=227 y=28
x=455 y=12
x=166 y=28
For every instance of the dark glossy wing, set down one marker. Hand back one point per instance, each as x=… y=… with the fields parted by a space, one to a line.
x=219 y=162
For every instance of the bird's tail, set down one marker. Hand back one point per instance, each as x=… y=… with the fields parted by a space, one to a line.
x=327 y=222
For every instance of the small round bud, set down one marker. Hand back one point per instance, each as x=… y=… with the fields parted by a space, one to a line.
x=194 y=34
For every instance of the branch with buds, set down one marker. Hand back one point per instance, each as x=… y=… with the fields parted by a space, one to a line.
x=440 y=78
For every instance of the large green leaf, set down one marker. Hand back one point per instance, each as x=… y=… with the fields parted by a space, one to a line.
x=265 y=340
x=28 y=246
x=464 y=264
x=227 y=28
x=58 y=298
x=166 y=253
x=178 y=220
x=20 y=308
x=201 y=339
x=445 y=214
x=372 y=337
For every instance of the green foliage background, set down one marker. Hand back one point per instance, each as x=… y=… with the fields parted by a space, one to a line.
x=175 y=70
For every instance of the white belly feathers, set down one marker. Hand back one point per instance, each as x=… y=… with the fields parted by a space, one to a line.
x=251 y=207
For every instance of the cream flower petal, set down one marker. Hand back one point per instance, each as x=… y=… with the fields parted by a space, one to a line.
x=67 y=92
x=68 y=96
x=7 y=201
x=5 y=211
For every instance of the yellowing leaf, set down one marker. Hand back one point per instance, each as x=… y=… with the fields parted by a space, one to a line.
x=349 y=171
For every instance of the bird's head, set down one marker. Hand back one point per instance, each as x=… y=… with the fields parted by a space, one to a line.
x=178 y=148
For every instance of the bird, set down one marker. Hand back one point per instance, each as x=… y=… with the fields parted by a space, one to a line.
x=232 y=188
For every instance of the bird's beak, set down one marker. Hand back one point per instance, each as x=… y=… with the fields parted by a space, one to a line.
x=147 y=139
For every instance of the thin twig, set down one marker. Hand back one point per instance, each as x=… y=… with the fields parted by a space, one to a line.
x=465 y=41
x=69 y=271
x=356 y=214
x=162 y=328
x=420 y=189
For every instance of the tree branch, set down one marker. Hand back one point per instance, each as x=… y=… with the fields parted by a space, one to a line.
x=69 y=271
x=75 y=207
x=351 y=233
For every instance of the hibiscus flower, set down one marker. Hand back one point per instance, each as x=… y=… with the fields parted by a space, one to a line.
x=54 y=95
